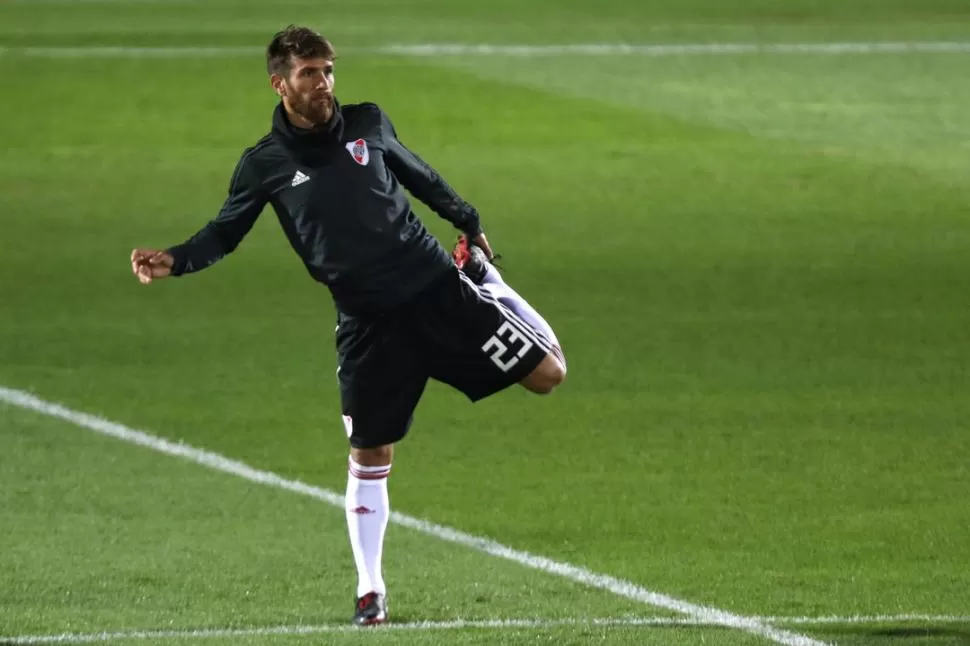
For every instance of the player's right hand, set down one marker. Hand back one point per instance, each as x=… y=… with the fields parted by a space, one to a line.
x=482 y=242
x=149 y=264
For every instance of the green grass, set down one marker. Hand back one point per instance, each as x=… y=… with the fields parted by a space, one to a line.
x=757 y=265
x=135 y=540
x=366 y=22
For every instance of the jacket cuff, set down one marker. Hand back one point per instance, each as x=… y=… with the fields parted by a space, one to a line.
x=473 y=227
x=178 y=267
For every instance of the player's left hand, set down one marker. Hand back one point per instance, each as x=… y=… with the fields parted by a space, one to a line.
x=482 y=242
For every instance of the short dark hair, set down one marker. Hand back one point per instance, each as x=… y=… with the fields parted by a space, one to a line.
x=298 y=42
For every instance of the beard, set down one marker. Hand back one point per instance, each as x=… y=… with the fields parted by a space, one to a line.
x=315 y=109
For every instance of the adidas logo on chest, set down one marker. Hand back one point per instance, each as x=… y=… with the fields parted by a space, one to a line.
x=358 y=152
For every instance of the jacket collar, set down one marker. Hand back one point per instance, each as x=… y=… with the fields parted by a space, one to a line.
x=309 y=145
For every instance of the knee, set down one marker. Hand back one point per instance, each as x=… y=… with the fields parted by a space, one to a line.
x=556 y=374
x=549 y=374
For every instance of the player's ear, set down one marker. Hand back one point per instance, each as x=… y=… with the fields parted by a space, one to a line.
x=276 y=81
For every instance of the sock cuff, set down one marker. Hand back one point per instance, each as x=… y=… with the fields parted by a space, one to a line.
x=368 y=473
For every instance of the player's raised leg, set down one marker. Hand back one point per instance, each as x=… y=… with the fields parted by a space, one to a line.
x=473 y=261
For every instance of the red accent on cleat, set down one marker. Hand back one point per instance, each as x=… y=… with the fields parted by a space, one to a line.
x=371 y=610
x=461 y=254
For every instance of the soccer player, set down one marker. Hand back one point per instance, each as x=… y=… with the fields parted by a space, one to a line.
x=406 y=310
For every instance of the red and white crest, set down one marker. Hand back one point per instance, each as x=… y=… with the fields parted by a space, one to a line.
x=358 y=150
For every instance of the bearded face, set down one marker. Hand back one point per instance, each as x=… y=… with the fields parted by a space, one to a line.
x=307 y=91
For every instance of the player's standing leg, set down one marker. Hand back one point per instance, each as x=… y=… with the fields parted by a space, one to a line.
x=368 y=509
x=381 y=381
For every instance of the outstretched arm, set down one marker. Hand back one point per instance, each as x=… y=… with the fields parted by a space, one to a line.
x=215 y=240
x=422 y=181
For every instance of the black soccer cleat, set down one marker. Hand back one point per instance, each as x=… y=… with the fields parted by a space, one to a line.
x=371 y=610
x=470 y=259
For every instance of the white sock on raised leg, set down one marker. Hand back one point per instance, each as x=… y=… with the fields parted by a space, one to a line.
x=495 y=285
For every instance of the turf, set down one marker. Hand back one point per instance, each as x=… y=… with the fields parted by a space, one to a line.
x=757 y=265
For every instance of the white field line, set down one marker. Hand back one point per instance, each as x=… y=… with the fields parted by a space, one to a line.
x=681 y=49
x=218 y=462
x=86 y=638
x=458 y=49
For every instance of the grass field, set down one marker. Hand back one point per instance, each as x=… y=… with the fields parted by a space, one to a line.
x=757 y=260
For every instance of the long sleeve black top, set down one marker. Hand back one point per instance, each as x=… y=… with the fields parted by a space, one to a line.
x=337 y=192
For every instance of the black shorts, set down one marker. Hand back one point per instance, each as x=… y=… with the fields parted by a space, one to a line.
x=451 y=332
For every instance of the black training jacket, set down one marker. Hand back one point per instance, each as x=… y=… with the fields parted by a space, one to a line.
x=337 y=192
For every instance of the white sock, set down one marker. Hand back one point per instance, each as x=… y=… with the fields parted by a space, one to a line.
x=367 y=513
x=494 y=284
